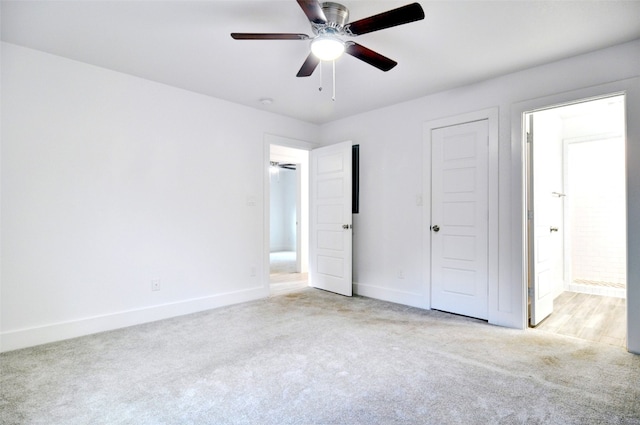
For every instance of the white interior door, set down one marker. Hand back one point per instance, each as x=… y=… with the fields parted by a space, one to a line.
x=459 y=226
x=330 y=265
x=541 y=229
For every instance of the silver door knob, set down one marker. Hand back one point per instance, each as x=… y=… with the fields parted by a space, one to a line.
x=435 y=228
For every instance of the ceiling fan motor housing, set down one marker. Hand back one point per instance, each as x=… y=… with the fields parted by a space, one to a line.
x=337 y=15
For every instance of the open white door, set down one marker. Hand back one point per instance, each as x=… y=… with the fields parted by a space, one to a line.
x=541 y=253
x=330 y=266
x=460 y=219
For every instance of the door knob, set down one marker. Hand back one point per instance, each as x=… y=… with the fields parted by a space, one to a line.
x=435 y=228
x=553 y=229
x=346 y=226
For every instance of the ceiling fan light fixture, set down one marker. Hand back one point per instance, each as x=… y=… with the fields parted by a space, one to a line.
x=327 y=48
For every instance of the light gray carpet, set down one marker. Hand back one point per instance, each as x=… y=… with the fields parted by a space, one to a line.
x=312 y=357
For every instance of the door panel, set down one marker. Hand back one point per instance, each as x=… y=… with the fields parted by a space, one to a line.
x=542 y=255
x=459 y=237
x=330 y=262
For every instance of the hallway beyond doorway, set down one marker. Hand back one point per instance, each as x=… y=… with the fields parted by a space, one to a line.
x=282 y=273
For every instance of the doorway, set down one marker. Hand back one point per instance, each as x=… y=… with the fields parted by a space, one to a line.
x=576 y=233
x=317 y=256
x=288 y=226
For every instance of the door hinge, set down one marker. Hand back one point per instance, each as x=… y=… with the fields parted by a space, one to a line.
x=529 y=137
x=530 y=215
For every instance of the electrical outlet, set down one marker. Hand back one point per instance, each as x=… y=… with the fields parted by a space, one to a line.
x=155 y=284
x=401 y=274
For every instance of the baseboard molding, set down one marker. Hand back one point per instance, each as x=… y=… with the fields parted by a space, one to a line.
x=391 y=295
x=23 y=338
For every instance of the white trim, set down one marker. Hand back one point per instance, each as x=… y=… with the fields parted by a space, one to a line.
x=631 y=88
x=492 y=116
x=272 y=139
x=22 y=338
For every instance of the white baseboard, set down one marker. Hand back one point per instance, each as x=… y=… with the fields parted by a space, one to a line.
x=385 y=294
x=14 y=340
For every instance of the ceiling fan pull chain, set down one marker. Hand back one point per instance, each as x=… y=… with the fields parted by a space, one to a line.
x=334 y=80
x=320 y=88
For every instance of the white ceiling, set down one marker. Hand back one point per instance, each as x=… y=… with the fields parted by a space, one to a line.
x=186 y=44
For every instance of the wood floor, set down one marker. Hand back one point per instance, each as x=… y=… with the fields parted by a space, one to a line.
x=591 y=317
x=283 y=277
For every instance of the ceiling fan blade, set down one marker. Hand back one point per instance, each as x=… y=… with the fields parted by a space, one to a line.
x=313 y=10
x=402 y=15
x=369 y=56
x=308 y=66
x=267 y=36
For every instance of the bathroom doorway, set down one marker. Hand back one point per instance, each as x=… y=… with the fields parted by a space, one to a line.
x=576 y=205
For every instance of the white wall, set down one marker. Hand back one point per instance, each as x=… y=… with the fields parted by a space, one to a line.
x=388 y=230
x=109 y=181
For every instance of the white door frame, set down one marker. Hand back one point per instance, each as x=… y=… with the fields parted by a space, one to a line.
x=268 y=140
x=491 y=115
x=631 y=88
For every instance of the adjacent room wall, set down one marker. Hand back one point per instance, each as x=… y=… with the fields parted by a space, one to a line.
x=388 y=229
x=283 y=210
x=110 y=181
x=596 y=210
x=597 y=138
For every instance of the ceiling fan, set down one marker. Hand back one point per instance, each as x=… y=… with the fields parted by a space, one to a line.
x=329 y=23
